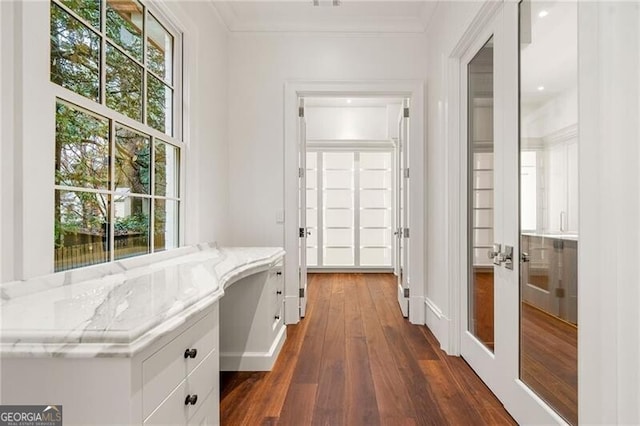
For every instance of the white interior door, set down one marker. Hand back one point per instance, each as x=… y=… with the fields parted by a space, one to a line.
x=302 y=207
x=490 y=326
x=402 y=232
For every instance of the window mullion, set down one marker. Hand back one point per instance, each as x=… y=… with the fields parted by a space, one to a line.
x=112 y=188
x=103 y=53
x=152 y=191
x=145 y=15
x=356 y=208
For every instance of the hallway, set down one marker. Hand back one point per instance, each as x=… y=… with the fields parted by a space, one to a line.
x=355 y=361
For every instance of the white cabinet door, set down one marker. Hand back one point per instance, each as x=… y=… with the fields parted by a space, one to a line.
x=557 y=184
x=572 y=188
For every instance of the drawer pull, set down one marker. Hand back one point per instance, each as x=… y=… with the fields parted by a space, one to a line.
x=279 y=273
x=191 y=399
x=277 y=317
x=190 y=353
x=279 y=292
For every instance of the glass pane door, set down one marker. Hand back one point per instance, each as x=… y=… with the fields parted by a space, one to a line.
x=549 y=203
x=481 y=196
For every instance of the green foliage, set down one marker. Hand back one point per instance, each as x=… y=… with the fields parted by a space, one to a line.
x=136 y=223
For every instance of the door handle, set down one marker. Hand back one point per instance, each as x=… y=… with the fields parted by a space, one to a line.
x=494 y=253
x=506 y=257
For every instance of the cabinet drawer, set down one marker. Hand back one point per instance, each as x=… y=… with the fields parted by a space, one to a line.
x=208 y=414
x=202 y=382
x=275 y=286
x=165 y=369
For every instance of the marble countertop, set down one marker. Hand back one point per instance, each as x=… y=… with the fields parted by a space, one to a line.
x=117 y=309
x=557 y=236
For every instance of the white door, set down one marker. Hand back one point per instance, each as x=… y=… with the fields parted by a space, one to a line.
x=302 y=207
x=490 y=326
x=402 y=209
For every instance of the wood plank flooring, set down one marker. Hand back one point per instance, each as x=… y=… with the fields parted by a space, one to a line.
x=355 y=361
x=550 y=360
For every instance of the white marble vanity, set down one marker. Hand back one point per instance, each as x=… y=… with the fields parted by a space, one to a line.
x=138 y=341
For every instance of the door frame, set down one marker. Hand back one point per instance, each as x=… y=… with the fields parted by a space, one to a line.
x=413 y=89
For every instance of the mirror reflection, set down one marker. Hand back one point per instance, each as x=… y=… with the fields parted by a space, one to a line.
x=549 y=202
x=480 y=203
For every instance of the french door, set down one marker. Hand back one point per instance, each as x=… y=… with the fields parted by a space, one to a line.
x=302 y=214
x=490 y=256
x=402 y=209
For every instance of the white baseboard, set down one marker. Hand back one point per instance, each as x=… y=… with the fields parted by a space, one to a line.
x=254 y=361
x=438 y=323
x=416 y=310
x=291 y=310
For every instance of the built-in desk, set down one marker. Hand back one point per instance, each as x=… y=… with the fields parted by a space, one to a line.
x=139 y=341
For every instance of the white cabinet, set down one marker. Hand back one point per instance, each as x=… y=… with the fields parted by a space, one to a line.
x=562 y=188
x=141 y=344
x=180 y=376
x=253 y=329
x=150 y=388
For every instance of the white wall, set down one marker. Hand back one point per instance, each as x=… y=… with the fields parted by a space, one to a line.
x=347 y=123
x=447 y=25
x=27 y=133
x=608 y=266
x=260 y=64
x=208 y=163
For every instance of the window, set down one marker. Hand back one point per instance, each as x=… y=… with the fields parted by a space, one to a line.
x=118 y=133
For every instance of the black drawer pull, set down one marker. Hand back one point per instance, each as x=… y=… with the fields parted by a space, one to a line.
x=190 y=353
x=279 y=273
x=277 y=317
x=191 y=399
x=278 y=291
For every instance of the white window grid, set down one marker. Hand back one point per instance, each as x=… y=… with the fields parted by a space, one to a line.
x=117 y=119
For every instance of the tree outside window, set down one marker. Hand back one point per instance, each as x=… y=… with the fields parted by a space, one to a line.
x=116 y=180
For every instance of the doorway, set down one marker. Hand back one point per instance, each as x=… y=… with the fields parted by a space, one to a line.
x=353 y=188
x=415 y=253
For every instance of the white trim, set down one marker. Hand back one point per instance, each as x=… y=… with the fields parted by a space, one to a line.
x=437 y=322
x=254 y=361
x=413 y=89
x=399 y=25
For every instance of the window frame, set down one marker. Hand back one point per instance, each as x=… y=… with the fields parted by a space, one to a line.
x=117 y=119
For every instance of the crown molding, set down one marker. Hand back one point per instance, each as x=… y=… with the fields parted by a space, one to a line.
x=397 y=25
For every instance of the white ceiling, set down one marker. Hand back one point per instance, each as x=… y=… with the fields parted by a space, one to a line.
x=380 y=16
x=551 y=59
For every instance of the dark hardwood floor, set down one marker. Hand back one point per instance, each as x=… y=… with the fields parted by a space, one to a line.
x=353 y=360
x=483 y=309
x=550 y=360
